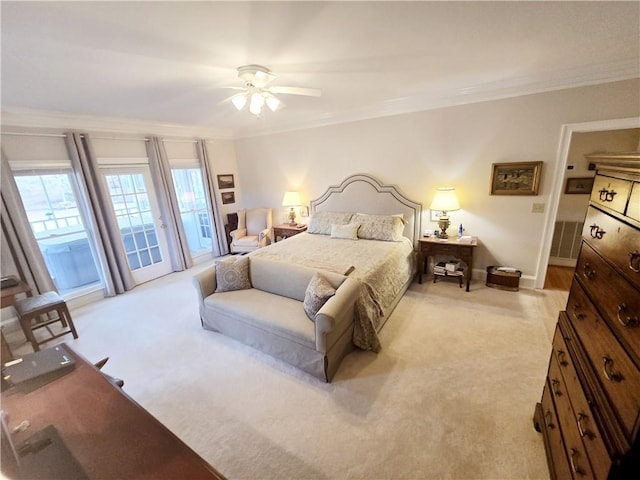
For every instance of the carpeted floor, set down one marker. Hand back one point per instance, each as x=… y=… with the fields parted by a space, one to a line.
x=451 y=395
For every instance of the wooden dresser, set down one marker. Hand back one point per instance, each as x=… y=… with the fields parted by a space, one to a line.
x=589 y=414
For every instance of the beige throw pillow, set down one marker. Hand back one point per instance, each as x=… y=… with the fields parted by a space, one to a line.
x=348 y=231
x=233 y=274
x=318 y=292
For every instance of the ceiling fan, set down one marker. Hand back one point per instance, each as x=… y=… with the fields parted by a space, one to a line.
x=257 y=92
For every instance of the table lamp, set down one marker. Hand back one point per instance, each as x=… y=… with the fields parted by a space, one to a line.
x=445 y=200
x=291 y=199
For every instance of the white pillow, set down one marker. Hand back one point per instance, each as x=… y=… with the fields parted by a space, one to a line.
x=321 y=222
x=379 y=227
x=348 y=231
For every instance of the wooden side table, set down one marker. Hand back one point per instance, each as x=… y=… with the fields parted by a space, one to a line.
x=432 y=246
x=285 y=231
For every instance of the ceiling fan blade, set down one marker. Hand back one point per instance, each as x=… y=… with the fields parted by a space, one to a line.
x=310 y=92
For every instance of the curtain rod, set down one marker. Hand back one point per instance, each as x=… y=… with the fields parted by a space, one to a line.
x=62 y=135
x=29 y=134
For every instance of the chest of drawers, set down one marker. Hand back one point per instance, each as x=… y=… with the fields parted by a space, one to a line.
x=589 y=413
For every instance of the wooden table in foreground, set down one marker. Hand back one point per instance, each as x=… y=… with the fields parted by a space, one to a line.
x=107 y=432
x=432 y=246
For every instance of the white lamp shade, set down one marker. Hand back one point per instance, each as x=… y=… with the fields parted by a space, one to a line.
x=272 y=102
x=445 y=200
x=291 y=199
x=256 y=103
x=239 y=101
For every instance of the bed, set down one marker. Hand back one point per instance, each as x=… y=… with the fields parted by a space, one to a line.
x=380 y=255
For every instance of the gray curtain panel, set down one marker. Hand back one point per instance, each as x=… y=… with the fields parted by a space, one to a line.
x=219 y=248
x=18 y=237
x=97 y=208
x=169 y=208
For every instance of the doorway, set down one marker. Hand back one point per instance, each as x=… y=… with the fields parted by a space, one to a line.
x=570 y=134
x=142 y=231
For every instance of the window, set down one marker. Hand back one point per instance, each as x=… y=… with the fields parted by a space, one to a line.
x=50 y=201
x=189 y=187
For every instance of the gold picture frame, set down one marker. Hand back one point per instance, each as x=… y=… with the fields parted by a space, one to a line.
x=516 y=178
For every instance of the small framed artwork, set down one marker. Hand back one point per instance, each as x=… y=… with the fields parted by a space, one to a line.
x=435 y=215
x=516 y=178
x=225 y=181
x=581 y=185
x=228 y=197
x=304 y=211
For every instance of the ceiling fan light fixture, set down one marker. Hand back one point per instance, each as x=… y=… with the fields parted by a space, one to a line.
x=239 y=101
x=256 y=104
x=272 y=102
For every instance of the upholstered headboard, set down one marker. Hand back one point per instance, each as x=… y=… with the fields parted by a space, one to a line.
x=362 y=193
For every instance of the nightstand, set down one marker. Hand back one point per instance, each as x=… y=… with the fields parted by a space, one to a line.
x=285 y=231
x=432 y=246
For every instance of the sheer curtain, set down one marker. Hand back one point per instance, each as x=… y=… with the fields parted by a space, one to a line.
x=169 y=207
x=18 y=237
x=96 y=202
x=219 y=248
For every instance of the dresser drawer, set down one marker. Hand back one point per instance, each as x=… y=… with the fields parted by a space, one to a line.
x=617 y=241
x=611 y=192
x=618 y=376
x=583 y=416
x=574 y=447
x=555 y=449
x=617 y=299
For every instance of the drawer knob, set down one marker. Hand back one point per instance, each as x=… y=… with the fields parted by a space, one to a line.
x=560 y=356
x=607 y=368
x=575 y=454
x=626 y=319
x=548 y=417
x=607 y=195
x=577 y=313
x=588 y=272
x=634 y=261
x=555 y=386
x=596 y=232
x=582 y=420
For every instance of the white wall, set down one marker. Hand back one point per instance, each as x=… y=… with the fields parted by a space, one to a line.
x=449 y=146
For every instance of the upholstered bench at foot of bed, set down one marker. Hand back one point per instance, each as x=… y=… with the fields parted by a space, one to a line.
x=277 y=324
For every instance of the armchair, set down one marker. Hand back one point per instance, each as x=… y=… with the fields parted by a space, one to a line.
x=254 y=230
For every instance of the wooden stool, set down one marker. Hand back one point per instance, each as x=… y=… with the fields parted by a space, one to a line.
x=30 y=308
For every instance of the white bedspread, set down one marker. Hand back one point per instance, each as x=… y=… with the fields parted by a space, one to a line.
x=382 y=267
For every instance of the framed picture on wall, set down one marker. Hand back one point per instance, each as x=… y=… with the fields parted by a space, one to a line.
x=581 y=185
x=225 y=181
x=228 y=197
x=516 y=178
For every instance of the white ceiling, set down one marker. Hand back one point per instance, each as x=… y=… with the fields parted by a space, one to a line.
x=168 y=62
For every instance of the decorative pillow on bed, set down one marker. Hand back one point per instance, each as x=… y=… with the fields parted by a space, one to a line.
x=232 y=274
x=320 y=222
x=348 y=231
x=379 y=227
x=318 y=292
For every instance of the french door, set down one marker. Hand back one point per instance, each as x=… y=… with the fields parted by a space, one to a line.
x=142 y=231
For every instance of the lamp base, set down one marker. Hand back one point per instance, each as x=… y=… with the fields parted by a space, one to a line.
x=292 y=217
x=444 y=223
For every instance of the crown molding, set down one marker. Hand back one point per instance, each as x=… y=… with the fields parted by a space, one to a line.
x=481 y=92
x=32 y=118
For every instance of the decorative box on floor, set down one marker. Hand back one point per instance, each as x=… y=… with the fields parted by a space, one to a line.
x=504 y=278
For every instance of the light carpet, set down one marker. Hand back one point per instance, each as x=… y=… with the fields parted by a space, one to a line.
x=450 y=396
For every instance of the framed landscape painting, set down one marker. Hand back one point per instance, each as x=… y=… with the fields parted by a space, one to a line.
x=228 y=197
x=579 y=185
x=225 y=181
x=516 y=178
